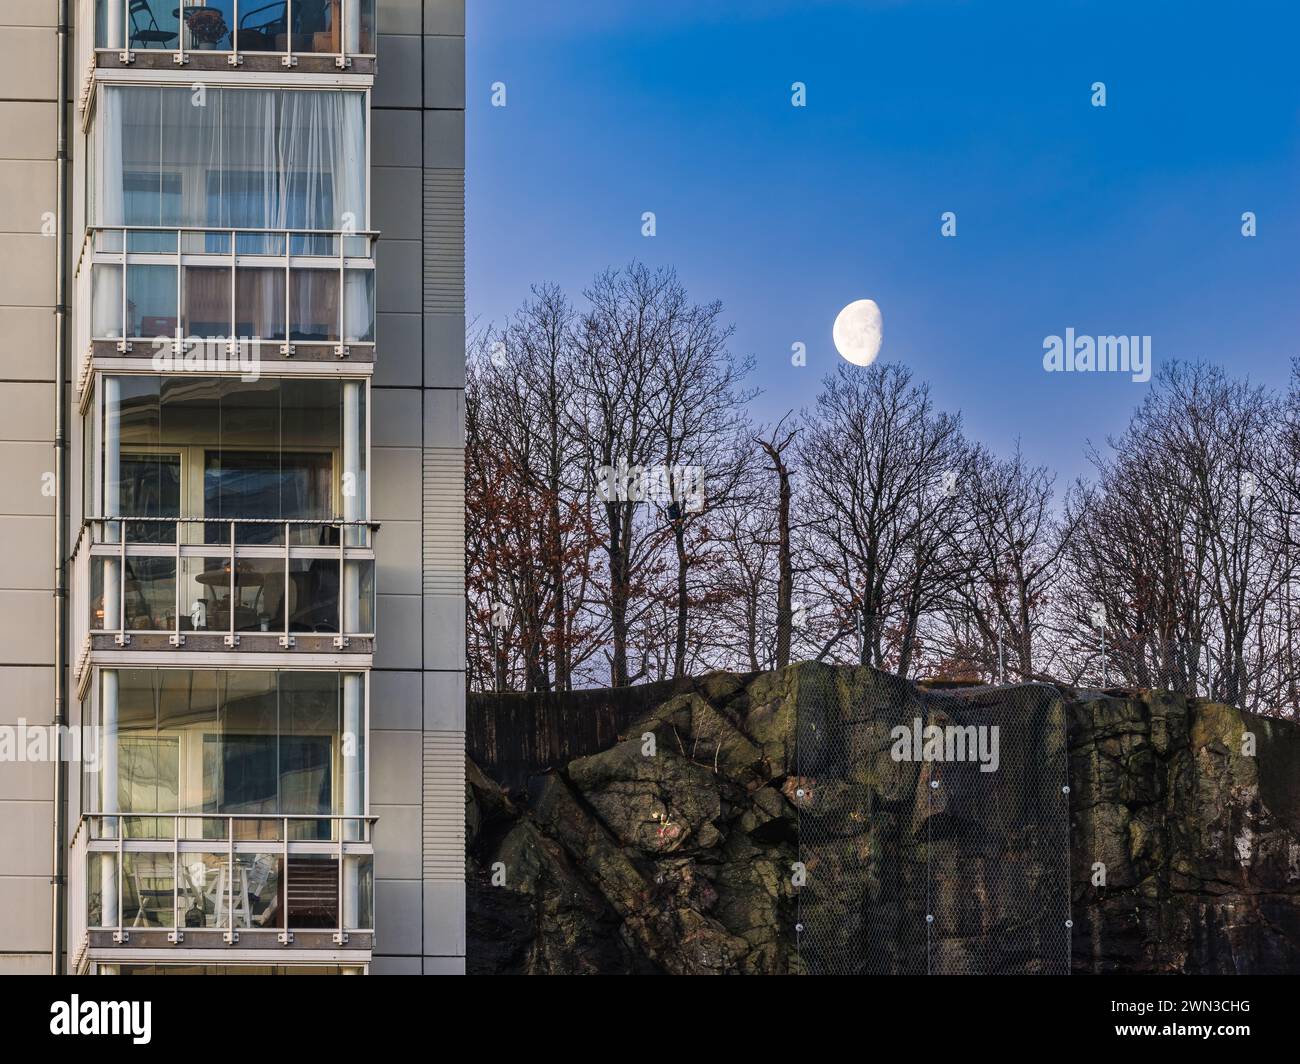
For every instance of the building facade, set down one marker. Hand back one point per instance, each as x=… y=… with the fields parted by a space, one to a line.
x=259 y=623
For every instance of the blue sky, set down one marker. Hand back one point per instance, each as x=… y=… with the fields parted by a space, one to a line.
x=1115 y=220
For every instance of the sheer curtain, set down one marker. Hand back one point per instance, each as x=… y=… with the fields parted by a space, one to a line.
x=236 y=158
x=108 y=202
x=322 y=152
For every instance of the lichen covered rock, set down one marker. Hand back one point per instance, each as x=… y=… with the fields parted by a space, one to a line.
x=670 y=848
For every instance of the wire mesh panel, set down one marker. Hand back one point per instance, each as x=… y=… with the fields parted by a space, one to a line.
x=933 y=827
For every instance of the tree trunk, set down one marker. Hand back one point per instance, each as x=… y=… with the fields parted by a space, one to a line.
x=679 y=644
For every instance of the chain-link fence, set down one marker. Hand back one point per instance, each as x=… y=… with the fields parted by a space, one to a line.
x=933 y=827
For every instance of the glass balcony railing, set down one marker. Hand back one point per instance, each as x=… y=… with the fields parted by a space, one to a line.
x=337 y=28
x=253 y=290
x=236 y=874
x=318 y=580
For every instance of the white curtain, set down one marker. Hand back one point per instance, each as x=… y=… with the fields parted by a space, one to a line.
x=108 y=121
x=238 y=158
x=106 y=302
x=358 y=306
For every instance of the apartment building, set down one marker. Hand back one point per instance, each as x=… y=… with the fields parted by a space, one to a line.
x=259 y=622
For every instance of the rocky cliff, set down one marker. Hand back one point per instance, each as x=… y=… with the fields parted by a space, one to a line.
x=671 y=847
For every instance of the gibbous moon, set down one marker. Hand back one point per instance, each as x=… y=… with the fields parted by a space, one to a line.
x=858 y=332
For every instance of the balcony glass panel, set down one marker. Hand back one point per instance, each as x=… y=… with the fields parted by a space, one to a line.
x=208 y=25
x=231 y=742
x=150 y=594
x=101 y=888
x=313 y=891
x=149 y=883
x=359 y=306
x=149 y=23
x=274 y=450
x=207 y=301
x=260 y=877
x=361 y=884
x=315 y=26
x=259 y=302
x=314 y=245
x=205 y=243
x=151 y=301
x=364 y=41
x=246 y=159
x=206 y=595
x=314 y=305
x=208 y=892
x=151 y=487
x=258 y=311
x=106 y=301
x=151 y=241
x=260 y=244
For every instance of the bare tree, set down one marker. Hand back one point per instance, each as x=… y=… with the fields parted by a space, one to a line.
x=774 y=446
x=1010 y=553
x=874 y=455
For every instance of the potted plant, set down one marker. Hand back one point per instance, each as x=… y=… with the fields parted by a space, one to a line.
x=207 y=26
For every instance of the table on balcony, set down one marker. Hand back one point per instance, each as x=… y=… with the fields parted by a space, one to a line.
x=247 y=615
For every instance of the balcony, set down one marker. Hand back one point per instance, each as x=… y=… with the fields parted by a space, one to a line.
x=228 y=295
x=223 y=598
x=311 y=35
x=225 y=516
x=224 y=808
x=179 y=883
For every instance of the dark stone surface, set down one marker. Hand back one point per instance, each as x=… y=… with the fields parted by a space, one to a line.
x=680 y=863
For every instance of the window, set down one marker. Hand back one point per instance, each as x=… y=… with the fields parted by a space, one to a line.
x=244 y=741
x=243 y=158
x=265 y=484
x=274 y=449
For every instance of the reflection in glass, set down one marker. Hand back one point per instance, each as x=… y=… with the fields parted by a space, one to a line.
x=313 y=305
x=261 y=878
x=313 y=603
x=208 y=892
x=259 y=303
x=208 y=24
x=207 y=302
x=148 y=886
x=271 y=450
x=317 y=26
x=149 y=594
x=150 y=487
x=101 y=890
x=106 y=301
x=359 y=306
x=245 y=741
x=150 y=301
x=359 y=887
x=151 y=24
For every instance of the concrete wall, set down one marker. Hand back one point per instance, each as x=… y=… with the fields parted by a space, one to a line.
x=418 y=686
x=27 y=193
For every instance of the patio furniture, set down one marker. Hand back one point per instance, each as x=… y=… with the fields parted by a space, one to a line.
x=232 y=892
x=145 y=31
x=153 y=891
x=259 y=28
